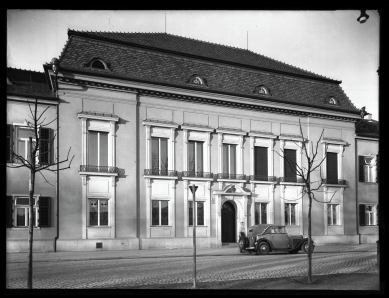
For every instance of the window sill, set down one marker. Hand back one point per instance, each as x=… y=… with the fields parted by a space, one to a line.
x=23 y=228
x=98 y=227
x=263 y=182
x=98 y=174
x=369 y=182
x=232 y=180
x=197 y=179
x=161 y=226
x=369 y=226
x=160 y=177
x=334 y=185
x=292 y=183
x=198 y=226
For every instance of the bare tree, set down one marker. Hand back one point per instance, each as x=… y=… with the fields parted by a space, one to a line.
x=159 y=167
x=34 y=164
x=303 y=172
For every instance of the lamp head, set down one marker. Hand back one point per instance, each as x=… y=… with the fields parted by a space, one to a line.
x=55 y=65
x=363 y=17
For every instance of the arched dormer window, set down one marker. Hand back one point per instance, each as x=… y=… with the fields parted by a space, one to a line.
x=198 y=80
x=262 y=90
x=97 y=63
x=331 y=101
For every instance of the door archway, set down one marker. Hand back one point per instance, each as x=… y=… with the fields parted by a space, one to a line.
x=228 y=222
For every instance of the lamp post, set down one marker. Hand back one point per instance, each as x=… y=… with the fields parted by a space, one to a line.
x=363 y=17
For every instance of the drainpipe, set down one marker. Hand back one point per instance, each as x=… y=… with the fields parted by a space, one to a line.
x=55 y=67
x=137 y=175
x=356 y=188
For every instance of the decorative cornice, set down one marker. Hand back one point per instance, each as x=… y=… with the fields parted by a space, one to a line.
x=203 y=100
x=98 y=116
x=265 y=134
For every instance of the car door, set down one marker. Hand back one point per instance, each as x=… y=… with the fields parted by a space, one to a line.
x=280 y=241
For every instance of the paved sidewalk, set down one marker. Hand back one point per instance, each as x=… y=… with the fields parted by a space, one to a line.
x=159 y=253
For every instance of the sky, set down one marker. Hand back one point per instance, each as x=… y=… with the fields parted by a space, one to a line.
x=329 y=43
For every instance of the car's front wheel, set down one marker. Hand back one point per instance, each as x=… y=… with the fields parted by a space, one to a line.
x=263 y=248
x=241 y=245
x=305 y=247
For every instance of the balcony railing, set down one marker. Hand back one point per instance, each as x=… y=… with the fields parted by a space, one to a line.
x=99 y=169
x=231 y=176
x=197 y=174
x=291 y=179
x=263 y=178
x=339 y=181
x=155 y=172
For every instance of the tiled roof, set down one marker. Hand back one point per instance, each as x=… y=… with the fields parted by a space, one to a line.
x=28 y=83
x=164 y=68
x=367 y=128
x=200 y=48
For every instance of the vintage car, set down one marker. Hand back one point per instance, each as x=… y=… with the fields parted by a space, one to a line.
x=263 y=239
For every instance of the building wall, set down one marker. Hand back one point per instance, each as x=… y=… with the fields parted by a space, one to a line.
x=17 y=183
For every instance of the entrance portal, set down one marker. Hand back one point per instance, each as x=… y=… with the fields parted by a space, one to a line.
x=228 y=222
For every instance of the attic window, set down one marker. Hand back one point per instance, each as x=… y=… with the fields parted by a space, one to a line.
x=331 y=101
x=198 y=80
x=97 y=64
x=262 y=90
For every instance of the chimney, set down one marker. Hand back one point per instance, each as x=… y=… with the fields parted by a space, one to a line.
x=368 y=117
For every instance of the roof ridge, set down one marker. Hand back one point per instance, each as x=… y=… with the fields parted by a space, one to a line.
x=25 y=69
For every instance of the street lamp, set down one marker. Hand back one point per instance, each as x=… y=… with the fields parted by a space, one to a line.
x=363 y=17
x=55 y=67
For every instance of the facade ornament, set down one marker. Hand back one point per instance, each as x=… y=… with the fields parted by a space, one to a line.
x=148 y=183
x=113 y=181
x=83 y=178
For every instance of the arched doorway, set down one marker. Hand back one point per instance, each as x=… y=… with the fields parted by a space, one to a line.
x=228 y=222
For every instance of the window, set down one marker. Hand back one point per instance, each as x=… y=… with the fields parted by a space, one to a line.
x=199 y=213
x=260 y=163
x=159 y=149
x=9 y=143
x=22 y=141
x=262 y=90
x=160 y=213
x=368 y=215
x=98 y=64
x=261 y=213
x=332 y=214
x=332 y=168
x=229 y=159
x=290 y=165
x=290 y=213
x=332 y=101
x=17 y=211
x=98 y=148
x=195 y=151
x=367 y=169
x=98 y=212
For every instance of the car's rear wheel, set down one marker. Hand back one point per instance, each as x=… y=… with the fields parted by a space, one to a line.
x=305 y=247
x=263 y=248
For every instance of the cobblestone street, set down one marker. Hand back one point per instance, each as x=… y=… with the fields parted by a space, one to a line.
x=175 y=269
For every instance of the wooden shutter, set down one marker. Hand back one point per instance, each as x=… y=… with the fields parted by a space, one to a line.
x=290 y=163
x=44 y=146
x=9 y=212
x=44 y=212
x=361 y=160
x=9 y=144
x=362 y=215
x=332 y=168
x=260 y=161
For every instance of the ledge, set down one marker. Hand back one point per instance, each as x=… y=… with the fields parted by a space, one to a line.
x=160 y=177
x=292 y=183
x=262 y=182
x=197 y=178
x=98 y=174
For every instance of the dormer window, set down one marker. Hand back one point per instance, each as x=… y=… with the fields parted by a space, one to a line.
x=262 y=90
x=97 y=64
x=331 y=101
x=198 y=80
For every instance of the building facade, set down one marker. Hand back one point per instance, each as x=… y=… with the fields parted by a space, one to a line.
x=147 y=115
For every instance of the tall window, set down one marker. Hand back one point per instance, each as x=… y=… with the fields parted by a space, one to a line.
x=229 y=159
x=199 y=213
x=332 y=168
x=260 y=163
x=160 y=213
x=21 y=212
x=290 y=213
x=98 y=148
x=159 y=156
x=367 y=169
x=98 y=212
x=290 y=165
x=261 y=213
x=195 y=151
x=22 y=141
x=368 y=215
x=332 y=214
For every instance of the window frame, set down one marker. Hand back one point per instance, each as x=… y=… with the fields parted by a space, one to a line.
x=196 y=162
x=331 y=220
x=289 y=221
x=90 y=132
x=99 y=212
x=260 y=219
x=228 y=145
x=190 y=202
x=370 y=169
x=160 y=212
x=159 y=154
x=26 y=207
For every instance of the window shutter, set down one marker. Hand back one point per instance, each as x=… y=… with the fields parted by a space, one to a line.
x=332 y=168
x=9 y=144
x=362 y=215
x=44 y=146
x=9 y=213
x=44 y=212
x=290 y=166
x=361 y=168
x=260 y=161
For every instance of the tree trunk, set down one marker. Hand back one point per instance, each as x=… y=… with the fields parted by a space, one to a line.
x=30 y=219
x=309 y=240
